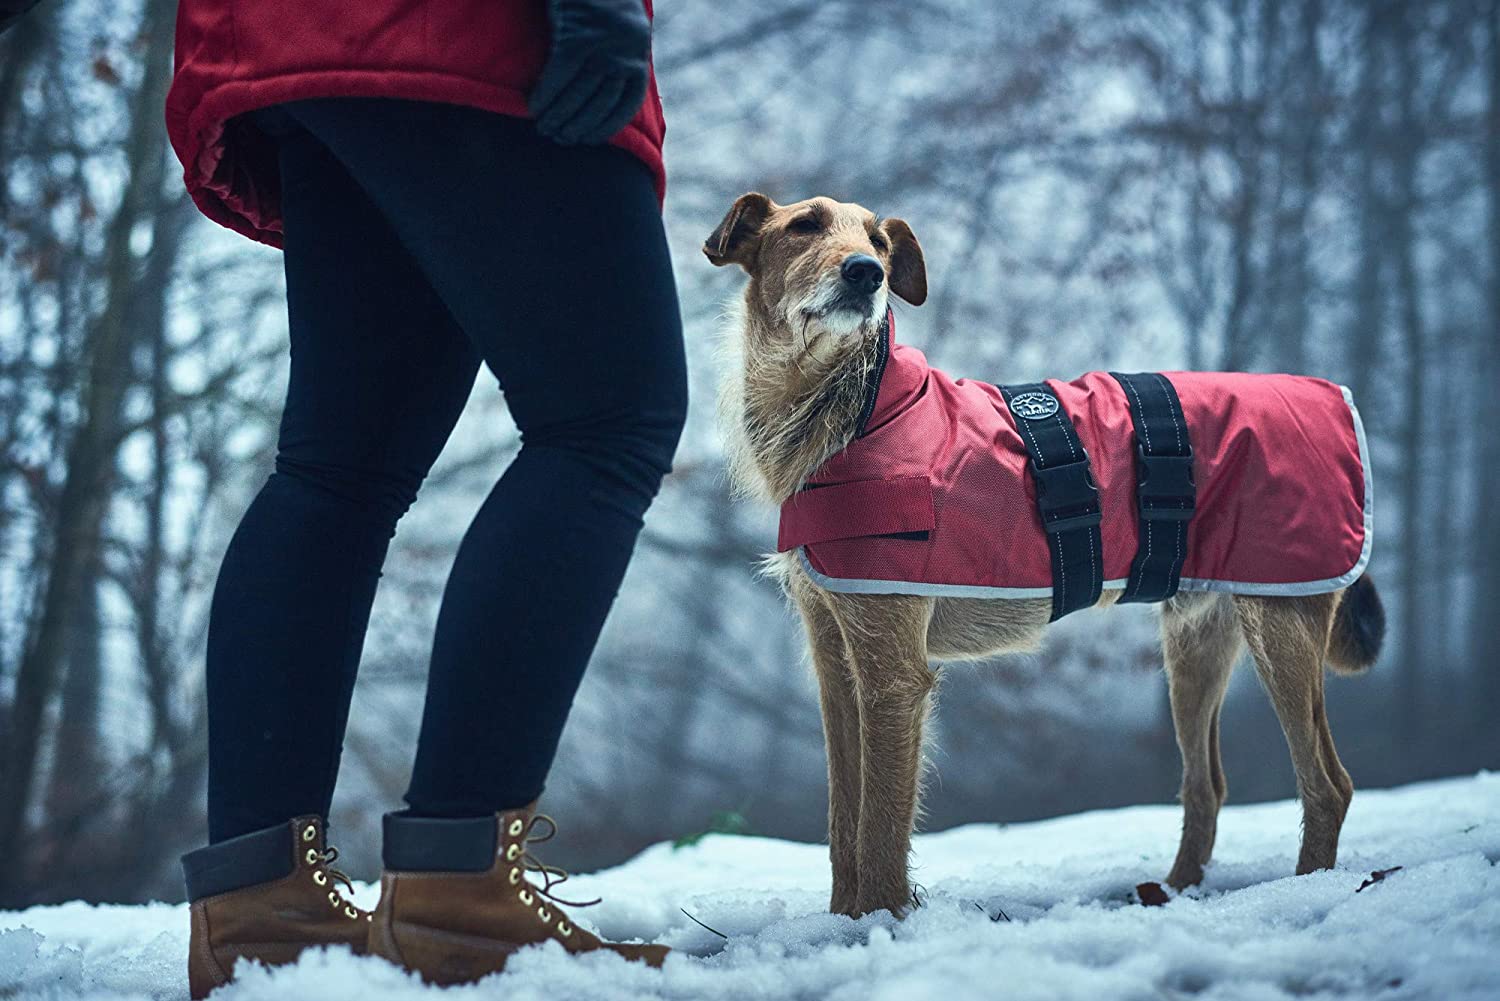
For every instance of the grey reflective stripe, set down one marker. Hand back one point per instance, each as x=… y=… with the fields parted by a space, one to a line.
x=849 y=585
x=854 y=585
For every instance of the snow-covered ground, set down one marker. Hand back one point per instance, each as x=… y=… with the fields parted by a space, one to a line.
x=1069 y=929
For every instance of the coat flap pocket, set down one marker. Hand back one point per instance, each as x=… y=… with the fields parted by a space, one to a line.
x=825 y=512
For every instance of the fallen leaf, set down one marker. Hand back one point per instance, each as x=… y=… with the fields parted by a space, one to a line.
x=1151 y=894
x=105 y=72
x=1377 y=876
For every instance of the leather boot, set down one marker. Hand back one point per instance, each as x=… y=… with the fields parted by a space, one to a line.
x=266 y=896
x=456 y=901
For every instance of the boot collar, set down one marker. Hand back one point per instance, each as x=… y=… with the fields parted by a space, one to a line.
x=258 y=857
x=448 y=844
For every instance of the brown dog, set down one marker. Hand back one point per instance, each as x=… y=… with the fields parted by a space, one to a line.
x=807 y=346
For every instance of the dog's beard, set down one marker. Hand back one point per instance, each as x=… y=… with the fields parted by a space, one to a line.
x=830 y=309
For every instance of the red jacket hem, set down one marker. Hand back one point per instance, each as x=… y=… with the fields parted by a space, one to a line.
x=198 y=136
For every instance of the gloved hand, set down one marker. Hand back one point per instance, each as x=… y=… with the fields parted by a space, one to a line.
x=595 y=77
x=11 y=11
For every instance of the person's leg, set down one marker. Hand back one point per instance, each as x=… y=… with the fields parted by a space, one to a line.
x=379 y=374
x=554 y=261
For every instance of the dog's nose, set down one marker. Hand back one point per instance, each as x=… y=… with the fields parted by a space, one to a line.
x=863 y=272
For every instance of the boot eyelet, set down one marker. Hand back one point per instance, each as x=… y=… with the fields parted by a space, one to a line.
x=319 y=878
x=515 y=876
x=527 y=898
x=309 y=832
x=311 y=857
x=333 y=898
x=515 y=827
x=512 y=852
x=351 y=912
x=544 y=914
x=564 y=929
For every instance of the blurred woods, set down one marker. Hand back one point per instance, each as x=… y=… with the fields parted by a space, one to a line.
x=1311 y=186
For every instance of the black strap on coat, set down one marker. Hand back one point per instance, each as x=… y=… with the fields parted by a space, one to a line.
x=1165 y=494
x=1066 y=496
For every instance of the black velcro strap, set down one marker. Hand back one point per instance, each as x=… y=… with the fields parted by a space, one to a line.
x=1165 y=494
x=1066 y=497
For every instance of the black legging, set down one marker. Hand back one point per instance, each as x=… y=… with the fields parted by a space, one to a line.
x=422 y=239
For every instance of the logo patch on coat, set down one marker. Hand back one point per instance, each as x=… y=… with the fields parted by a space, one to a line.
x=1034 y=406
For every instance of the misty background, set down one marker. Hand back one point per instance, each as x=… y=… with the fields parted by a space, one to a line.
x=1308 y=186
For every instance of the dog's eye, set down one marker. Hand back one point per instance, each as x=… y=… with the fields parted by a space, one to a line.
x=880 y=242
x=806 y=224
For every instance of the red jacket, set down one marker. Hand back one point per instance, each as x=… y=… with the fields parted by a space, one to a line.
x=235 y=56
x=936 y=497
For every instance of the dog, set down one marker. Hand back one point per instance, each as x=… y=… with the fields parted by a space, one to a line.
x=810 y=329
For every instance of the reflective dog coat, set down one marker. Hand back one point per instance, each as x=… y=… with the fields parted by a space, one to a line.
x=936 y=494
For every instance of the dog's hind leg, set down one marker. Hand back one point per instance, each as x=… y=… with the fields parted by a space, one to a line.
x=1331 y=762
x=1200 y=643
x=1288 y=638
x=841 y=737
x=887 y=640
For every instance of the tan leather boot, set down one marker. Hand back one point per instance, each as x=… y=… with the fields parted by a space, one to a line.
x=456 y=903
x=266 y=896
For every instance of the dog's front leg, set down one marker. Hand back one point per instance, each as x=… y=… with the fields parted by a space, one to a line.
x=841 y=736
x=887 y=637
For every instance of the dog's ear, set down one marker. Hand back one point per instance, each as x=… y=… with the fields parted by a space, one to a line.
x=908 y=268
x=731 y=241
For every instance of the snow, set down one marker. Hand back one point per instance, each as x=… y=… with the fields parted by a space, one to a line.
x=1253 y=931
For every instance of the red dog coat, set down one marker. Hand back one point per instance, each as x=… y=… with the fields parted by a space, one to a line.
x=936 y=498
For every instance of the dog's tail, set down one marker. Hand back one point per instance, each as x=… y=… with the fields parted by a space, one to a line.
x=1358 y=629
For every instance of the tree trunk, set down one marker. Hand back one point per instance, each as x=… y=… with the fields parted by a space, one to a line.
x=19 y=48
x=152 y=630
x=1486 y=642
x=1407 y=154
x=1198 y=297
x=77 y=764
x=1237 y=353
x=1296 y=328
x=1369 y=305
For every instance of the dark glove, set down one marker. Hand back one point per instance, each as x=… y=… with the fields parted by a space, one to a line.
x=595 y=77
x=11 y=11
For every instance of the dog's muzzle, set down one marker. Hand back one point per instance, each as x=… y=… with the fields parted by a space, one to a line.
x=850 y=298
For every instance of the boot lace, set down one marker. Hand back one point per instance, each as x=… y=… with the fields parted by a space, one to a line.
x=551 y=875
x=326 y=858
x=323 y=873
